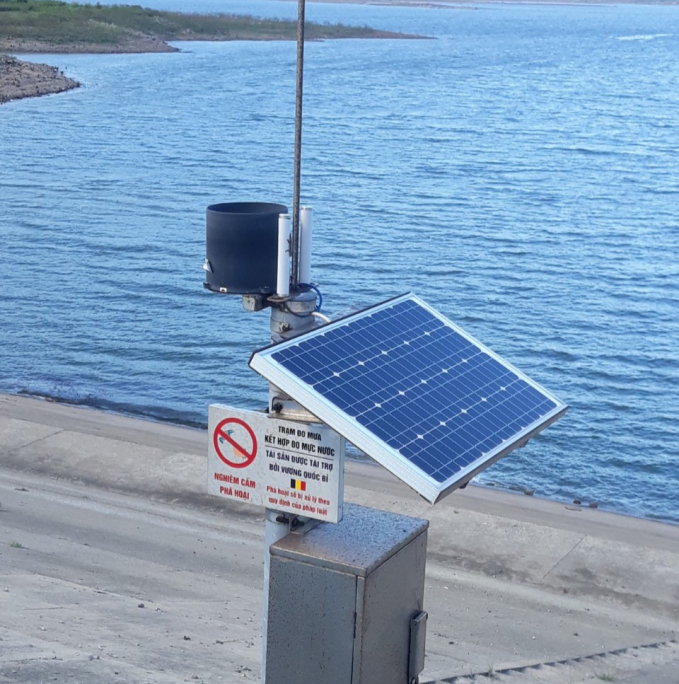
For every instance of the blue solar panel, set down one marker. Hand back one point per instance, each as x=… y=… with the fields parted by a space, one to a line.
x=413 y=391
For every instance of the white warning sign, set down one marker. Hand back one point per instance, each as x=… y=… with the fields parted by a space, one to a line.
x=284 y=465
x=234 y=466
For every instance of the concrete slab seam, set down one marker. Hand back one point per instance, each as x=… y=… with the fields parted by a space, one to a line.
x=35 y=441
x=563 y=558
x=520 y=669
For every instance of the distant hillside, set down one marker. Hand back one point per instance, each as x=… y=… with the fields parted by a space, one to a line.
x=52 y=26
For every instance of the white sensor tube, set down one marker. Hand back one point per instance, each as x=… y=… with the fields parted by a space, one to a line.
x=305 y=216
x=283 y=275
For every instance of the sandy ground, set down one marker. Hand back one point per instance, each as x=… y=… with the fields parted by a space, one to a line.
x=19 y=79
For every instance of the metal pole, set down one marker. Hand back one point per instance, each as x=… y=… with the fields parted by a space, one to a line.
x=275 y=530
x=286 y=322
x=298 y=145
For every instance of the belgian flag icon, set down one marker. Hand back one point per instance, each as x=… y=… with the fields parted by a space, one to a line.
x=298 y=484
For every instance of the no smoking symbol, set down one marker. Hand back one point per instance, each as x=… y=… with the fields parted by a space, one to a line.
x=229 y=450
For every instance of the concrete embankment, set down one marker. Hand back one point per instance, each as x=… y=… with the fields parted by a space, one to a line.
x=542 y=543
x=512 y=580
x=19 y=79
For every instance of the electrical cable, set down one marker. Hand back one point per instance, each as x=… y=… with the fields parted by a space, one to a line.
x=318 y=294
x=317 y=308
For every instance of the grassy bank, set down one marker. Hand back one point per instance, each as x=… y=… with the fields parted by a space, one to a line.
x=52 y=26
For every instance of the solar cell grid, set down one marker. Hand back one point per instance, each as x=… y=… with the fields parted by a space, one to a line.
x=413 y=388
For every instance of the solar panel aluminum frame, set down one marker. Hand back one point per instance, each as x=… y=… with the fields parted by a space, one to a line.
x=367 y=441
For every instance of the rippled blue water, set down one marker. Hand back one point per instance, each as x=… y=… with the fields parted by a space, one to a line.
x=520 y=172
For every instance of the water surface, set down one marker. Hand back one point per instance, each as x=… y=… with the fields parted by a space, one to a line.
x=520 y=172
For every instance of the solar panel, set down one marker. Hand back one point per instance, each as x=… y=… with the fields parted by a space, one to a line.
x=413 y=391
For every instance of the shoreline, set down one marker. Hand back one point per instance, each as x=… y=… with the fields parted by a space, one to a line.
x=151 y=44
x=492 y=488
x=141 y=45
x=20 y=79
x=58 y=27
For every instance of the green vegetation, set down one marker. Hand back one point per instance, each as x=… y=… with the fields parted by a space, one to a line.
x=16 y=545
x=43 y=23
x=606 y=677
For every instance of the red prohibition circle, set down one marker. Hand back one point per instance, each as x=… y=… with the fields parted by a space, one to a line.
x=221 y=432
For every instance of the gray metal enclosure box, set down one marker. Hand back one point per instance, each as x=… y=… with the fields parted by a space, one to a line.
x=341 y=598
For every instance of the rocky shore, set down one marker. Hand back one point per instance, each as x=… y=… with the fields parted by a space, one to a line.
x=20 y=79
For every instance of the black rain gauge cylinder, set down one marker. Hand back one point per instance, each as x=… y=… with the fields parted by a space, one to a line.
x=242 y=247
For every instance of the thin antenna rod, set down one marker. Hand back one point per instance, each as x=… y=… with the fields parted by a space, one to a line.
x=294 y=247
